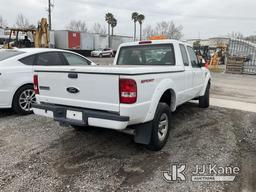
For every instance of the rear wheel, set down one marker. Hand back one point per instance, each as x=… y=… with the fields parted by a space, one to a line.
x=23 y=100
x=161 y=127
x=100 y=55
x=204 y=101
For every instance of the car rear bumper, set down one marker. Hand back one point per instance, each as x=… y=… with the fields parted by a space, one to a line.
x=81 y=116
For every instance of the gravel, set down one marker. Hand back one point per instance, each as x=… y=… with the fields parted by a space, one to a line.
x=36 y=154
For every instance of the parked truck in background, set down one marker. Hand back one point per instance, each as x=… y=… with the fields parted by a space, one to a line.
x=147 y=82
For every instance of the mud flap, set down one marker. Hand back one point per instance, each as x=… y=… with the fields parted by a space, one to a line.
x=143 y=133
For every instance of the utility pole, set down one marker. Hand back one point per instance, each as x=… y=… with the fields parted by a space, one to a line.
x=50 y=5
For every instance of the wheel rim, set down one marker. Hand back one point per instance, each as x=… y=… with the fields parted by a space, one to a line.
x=163 y=126
x=26 y=99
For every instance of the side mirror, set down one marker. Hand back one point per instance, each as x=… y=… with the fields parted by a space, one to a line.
x=201 y=64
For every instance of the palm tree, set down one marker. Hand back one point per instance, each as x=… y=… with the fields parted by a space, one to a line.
x=141 y=18
x=113 y=25
x=108 y=18
x=135 y=19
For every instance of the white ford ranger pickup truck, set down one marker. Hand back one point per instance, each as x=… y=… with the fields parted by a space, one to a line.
x=146 y=83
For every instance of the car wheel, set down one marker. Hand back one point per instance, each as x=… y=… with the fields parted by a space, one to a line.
x=111 y=55
x=23 y=100
x=204 y=101
x=100 y=55
x=161 y=127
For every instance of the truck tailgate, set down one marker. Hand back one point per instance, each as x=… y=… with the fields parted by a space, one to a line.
x=92 y=91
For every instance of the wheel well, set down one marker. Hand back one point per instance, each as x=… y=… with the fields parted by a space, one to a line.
x=169 y=98
x=19 y=89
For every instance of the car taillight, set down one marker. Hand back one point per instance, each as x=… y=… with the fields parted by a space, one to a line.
x=36 y=85
x=128 y=91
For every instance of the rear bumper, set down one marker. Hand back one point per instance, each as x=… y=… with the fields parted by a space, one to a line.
x=88 y=117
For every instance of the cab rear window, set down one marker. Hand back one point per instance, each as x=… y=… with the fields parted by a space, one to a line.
x=9 y=54
x=162 y=54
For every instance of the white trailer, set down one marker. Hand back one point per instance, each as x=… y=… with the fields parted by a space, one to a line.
x=87 y=41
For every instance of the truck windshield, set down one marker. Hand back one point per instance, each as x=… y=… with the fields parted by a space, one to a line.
x=6 y=54
x=147 y=55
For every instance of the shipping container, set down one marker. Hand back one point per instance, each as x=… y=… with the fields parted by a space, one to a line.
x=116 y=41
x=87 y=41
x=52 y=39
x=67 y=39
x=100 y=41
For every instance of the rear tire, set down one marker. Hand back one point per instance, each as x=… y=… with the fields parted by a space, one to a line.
x=204 y=101
x=161 y=127
x=22 y=100
x=100 y=55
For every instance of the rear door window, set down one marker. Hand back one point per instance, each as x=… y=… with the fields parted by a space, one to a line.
x=50 y=59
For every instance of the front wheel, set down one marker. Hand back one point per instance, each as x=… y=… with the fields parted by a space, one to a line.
x=161 y=127
x=23 y=100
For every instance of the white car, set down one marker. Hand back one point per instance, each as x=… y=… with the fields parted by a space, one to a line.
x=102 y=53
x=16 y=73
x=148 y=81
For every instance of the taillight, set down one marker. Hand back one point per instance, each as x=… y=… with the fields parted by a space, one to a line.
x=128 y=91
x=36 y=85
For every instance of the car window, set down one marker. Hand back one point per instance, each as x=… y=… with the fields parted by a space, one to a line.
x=184 y=55
x=147 y=55
x=193 y=57
x=49 y=59
x=74 y=59
x=30 y=60
x=9 y=53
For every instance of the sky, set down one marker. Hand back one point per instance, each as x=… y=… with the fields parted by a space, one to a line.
x=199 y=18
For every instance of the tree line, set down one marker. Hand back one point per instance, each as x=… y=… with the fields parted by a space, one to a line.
x=166 y=28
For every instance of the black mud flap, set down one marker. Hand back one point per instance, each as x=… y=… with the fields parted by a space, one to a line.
x=143 y=133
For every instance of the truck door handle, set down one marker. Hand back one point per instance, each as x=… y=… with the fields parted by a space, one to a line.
x=73 y=75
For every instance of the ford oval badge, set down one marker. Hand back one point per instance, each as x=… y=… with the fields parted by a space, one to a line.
x=73 y=90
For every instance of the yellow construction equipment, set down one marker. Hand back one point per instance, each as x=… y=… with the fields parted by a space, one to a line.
x=40 y=36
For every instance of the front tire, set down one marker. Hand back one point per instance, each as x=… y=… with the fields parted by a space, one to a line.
x=204 y=101
x=161 y=127
x=23 y=100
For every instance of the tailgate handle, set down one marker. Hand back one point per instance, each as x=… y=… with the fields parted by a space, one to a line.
x=73 y=75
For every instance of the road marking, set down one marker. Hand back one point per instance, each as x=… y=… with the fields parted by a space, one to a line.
x=250 y=107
